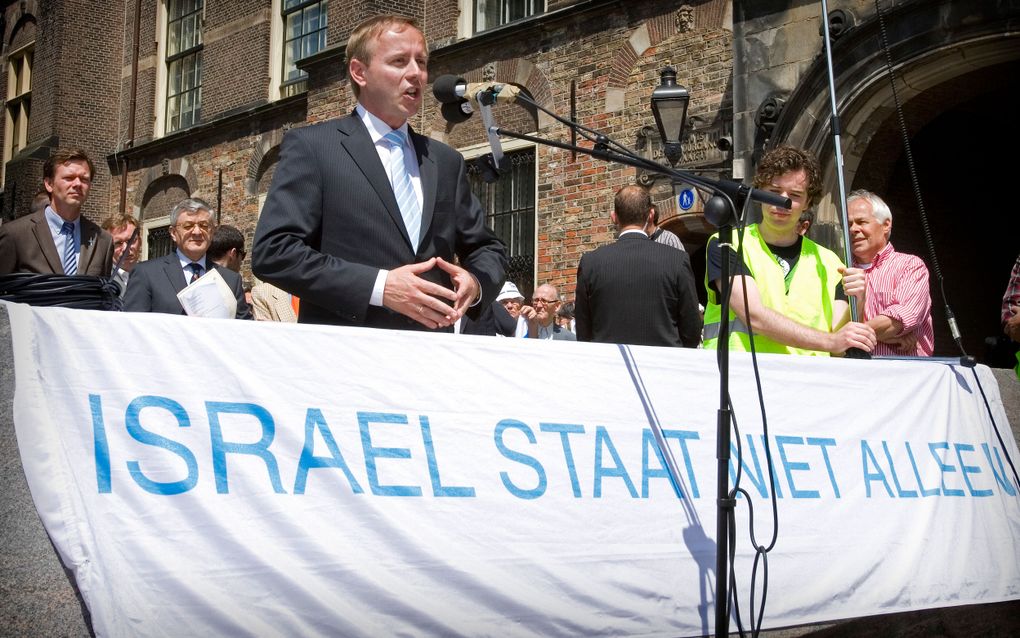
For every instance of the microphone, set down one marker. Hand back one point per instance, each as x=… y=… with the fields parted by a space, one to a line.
x=457 y=96
x=459 y=99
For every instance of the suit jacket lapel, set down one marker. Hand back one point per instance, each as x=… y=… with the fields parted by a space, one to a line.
x=358 y=143
x=174 y=273
x=41 y=229
x=429 y=183
x=89 y=244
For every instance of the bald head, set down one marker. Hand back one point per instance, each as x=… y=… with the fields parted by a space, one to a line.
x=632 y=206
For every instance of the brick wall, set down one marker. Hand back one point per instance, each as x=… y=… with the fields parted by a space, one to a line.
x=575 y=195
x=75 y=90
x=145 y=100
x=235 y=59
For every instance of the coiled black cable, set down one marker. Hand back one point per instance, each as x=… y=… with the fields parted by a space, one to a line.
x=86 y=292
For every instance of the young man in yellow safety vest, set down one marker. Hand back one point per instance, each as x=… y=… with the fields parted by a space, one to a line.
x=793 y=288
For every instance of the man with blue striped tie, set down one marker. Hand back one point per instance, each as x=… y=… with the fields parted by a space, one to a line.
x=59 y=240
x=368 y=222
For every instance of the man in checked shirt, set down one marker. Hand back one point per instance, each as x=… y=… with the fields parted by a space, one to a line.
x=891 y=287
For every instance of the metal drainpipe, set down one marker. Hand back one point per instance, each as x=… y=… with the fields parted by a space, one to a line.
x=219 y=194
x=134 y=101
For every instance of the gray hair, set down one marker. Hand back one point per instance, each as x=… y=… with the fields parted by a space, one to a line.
x=191 y=205
x=879 y=208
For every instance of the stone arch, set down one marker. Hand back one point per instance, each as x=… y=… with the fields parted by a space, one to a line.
x=180 y=167
x=160 y=196
x=963 y=38
x=709 y=15
x=264 y=152
x=516 y=71
x=25 y=27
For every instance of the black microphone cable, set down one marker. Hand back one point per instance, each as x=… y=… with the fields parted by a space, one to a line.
x=966 y=360
x=85 y=292
x=761 y=550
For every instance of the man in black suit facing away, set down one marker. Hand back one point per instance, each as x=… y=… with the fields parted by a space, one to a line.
x=636 y=291
x=154 y=284
x=369 y=223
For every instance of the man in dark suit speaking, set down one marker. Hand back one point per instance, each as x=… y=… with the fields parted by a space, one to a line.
x=636 y=291
x=365 y=218
x=154 y=284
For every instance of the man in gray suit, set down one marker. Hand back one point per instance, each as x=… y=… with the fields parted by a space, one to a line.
x=58 y=240
x=635 y=290
x=369 y=223
x=154 y=284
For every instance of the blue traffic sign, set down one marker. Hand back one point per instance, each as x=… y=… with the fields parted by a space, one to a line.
x=685 y=199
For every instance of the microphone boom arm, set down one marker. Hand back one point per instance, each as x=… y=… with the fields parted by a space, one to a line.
x=732 y=190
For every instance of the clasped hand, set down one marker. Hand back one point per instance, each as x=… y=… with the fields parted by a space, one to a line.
x=426 y=302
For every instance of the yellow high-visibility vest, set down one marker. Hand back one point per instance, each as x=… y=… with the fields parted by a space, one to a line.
x=808 y=301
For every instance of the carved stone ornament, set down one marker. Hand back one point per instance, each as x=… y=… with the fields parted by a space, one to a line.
x=489 y=72
x=684 y=18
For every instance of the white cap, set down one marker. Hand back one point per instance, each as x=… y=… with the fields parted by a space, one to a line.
x=509 y=291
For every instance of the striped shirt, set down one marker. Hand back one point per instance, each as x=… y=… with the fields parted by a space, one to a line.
x=1012 y=296
x=898 y=289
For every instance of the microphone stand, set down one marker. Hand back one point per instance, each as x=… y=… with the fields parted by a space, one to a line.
x=724 y=501
x=852 y=353
x=730 y=197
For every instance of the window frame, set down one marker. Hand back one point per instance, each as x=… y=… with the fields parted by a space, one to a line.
x=509 y=147
x=470 y=7
x=181 y=57
x=18 y=102
x=150 y=226
x=288 y=87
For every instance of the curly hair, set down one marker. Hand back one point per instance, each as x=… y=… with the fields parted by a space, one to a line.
x=787 y=159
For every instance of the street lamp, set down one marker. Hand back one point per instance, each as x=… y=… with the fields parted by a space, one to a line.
x=669 y=105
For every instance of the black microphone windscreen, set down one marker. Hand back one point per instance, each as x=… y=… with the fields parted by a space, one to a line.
x=445 y=88
x=453 y=113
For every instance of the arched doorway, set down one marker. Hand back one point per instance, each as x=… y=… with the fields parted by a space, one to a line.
x=970 y=122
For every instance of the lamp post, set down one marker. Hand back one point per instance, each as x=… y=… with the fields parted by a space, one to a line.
x=669 y=105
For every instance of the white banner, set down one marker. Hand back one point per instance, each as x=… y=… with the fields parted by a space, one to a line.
x=218 y=477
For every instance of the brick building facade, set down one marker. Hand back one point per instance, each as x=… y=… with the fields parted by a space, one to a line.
x=193 y=97
x=606 y=54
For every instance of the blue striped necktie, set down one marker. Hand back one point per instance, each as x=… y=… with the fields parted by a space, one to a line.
x=403 y=189
x=196 y=271
x=70 y=257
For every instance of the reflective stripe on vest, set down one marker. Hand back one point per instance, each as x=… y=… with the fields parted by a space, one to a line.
x=712 y=329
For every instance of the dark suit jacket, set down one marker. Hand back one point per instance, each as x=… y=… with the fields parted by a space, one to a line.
x=154 y=284
x=331 y=221
x=637 y=291
x=494 y=320
x=26 y=245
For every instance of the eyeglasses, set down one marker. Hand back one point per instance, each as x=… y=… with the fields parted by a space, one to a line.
x=186 y=227
x=545 y=302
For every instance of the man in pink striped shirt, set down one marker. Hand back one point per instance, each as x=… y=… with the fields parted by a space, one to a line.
x=891 y=288
x=1011 y=304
